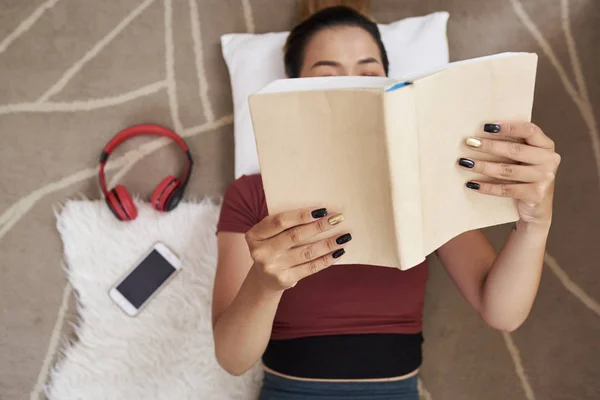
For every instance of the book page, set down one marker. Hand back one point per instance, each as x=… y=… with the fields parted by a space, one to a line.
x=328 y=149
x=328 y=83
x=455 y=104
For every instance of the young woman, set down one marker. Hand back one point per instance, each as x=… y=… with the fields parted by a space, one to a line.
x=328 y=331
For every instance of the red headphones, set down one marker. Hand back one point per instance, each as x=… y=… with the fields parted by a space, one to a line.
x=169 y=191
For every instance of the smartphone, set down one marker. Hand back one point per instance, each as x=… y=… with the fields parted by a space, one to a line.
x=143 y=281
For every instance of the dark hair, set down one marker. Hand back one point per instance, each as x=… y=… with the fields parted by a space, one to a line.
x=326 y=18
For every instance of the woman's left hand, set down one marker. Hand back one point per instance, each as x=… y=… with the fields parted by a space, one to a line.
x=530 y=179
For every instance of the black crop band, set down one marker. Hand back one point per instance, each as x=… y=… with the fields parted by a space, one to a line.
x=364 y=356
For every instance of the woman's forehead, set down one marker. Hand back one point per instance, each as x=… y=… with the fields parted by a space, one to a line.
x=342 y=43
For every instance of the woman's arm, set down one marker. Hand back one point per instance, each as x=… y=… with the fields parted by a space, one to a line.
x=502 y=287
x=243 y=312
x=254 y=269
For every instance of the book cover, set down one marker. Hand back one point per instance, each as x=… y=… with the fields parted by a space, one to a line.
x=384 y=152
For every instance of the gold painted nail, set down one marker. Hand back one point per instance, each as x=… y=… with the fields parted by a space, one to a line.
x=472 y=142
x=335 y=219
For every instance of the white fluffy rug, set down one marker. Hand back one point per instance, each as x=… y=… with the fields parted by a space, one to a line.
x=167 y=351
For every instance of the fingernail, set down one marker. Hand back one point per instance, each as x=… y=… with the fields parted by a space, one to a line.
x=320 y=213
x=472 y=142
x=344 y=239
x=336 y=219
x=473 y=185
x=491 y=128
x=465 y=162
x=338 y=253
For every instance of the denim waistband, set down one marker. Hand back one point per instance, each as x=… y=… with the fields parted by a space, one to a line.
x=276 y=387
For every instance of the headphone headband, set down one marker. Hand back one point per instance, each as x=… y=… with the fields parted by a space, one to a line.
x=142 y=130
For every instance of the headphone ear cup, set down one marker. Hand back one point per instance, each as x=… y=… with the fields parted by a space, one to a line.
x=163 y=192
x=126 y=202
x=115 y=207
x=174 y=199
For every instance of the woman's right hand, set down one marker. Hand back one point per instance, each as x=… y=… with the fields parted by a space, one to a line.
x=280 y=257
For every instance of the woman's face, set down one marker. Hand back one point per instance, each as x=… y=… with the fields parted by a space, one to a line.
x=339 y=51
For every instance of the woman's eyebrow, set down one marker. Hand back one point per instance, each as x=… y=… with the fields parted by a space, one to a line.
x=326 y=63
x=368 y=60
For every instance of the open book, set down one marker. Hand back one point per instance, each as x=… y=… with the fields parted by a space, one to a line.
x=384 y=152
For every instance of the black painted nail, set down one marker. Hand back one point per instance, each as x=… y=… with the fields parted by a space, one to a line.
x=491 y=128
x=338 y=253
x=320 y=213
x=473 y=185
x=344 y=239
x=465 y=162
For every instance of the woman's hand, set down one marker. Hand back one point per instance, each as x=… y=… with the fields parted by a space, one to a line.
x=530 y=179
x=280 y=257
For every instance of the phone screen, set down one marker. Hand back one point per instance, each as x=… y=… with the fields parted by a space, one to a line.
x=145 y=279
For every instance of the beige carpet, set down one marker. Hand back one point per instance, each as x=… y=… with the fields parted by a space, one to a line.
x=72 y=73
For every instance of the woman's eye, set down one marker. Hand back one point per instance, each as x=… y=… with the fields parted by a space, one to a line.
x=371 y=69
x=324 y=72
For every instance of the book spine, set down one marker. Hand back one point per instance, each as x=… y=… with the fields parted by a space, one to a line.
x=403 y=158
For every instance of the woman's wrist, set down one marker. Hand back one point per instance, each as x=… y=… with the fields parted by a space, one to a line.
x=260 y=289
x=536 y=228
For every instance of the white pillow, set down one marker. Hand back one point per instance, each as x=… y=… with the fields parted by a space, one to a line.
x=255 y=60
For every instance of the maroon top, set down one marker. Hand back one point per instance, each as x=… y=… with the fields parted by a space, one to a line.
x=342 y=299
